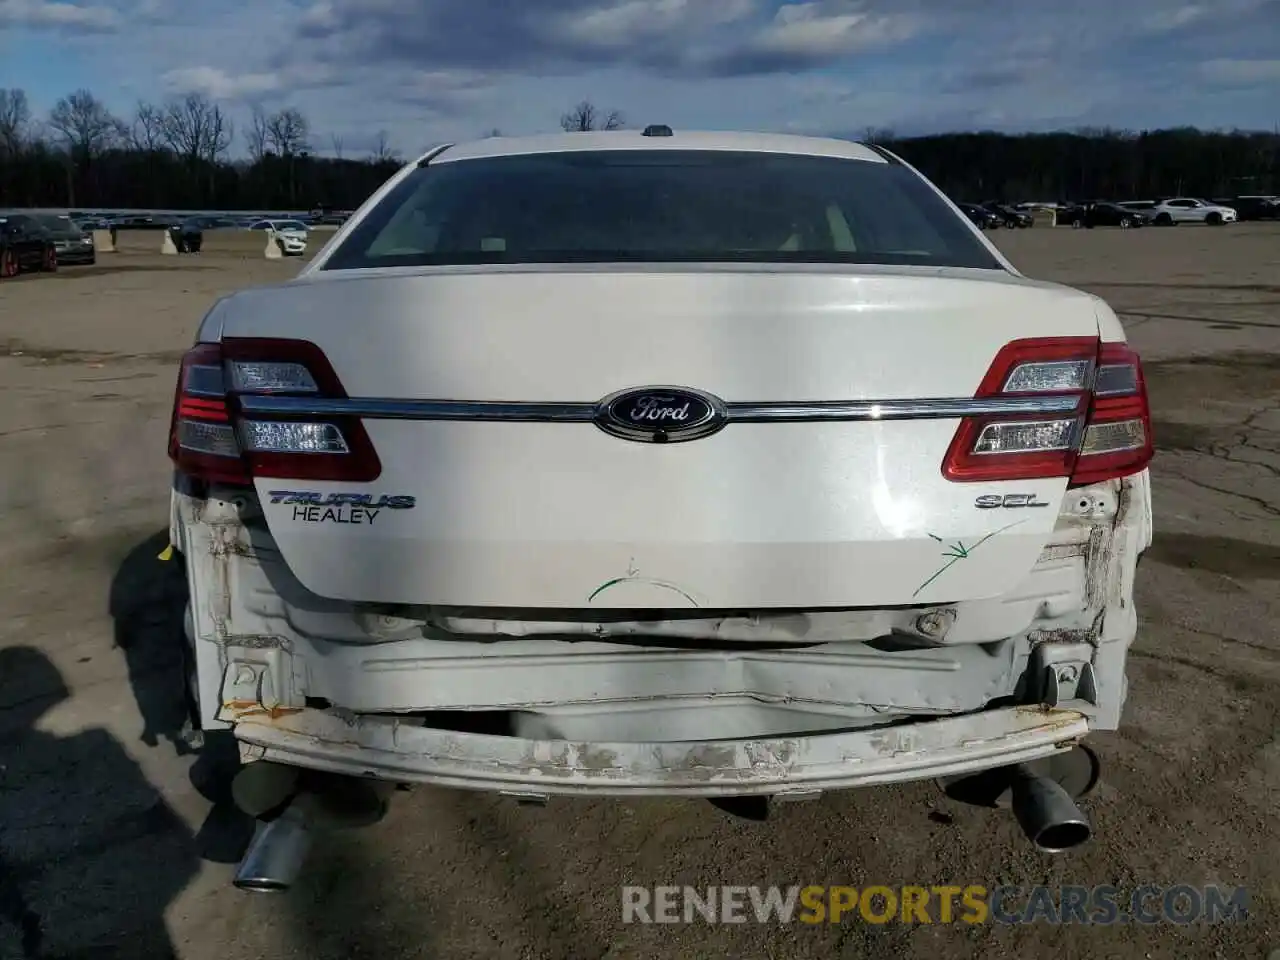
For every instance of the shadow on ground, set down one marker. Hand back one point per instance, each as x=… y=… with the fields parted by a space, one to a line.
x=148 y=600
x=92 y=854
x=147 y=603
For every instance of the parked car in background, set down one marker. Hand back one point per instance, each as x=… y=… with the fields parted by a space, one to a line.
x=1255 y=207
x=1101 y=213
x=25 y=245
x=280 y=225
x=72 y=243
x=1146 y=208
x=290 y=234
x=981 y=216
x=138 y=222
x=1011 y=217
x=1189 y=210
x=209 y=222
x=188 y=234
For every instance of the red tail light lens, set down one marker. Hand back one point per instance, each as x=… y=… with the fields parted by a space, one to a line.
x=1106 y=435
x=1117 y=440
x=213 y=440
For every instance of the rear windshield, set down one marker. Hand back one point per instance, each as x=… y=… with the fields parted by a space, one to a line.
x=58 y=226
x=661 y=206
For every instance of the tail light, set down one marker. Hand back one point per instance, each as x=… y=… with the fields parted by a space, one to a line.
x=1107 y=435
x=212 y=439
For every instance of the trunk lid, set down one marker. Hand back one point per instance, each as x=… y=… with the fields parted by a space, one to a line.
x=563 y=514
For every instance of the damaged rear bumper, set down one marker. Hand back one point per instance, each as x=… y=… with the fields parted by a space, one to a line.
x=393 y=749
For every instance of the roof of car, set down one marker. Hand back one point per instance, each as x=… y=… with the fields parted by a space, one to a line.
x=678 y=140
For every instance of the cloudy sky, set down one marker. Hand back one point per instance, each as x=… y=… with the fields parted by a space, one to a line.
x=427 y=71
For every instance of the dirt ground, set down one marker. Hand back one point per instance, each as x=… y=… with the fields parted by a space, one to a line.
x=114 y=842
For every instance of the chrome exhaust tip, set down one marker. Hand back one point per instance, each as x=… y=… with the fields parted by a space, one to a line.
x=276 y=854
x=1046 y=813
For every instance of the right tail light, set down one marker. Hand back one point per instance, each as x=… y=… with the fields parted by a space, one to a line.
x=1107 y=435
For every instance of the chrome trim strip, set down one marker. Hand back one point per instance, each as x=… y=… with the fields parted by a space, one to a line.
x=941 y=409
x=374 y=409
x=871 y=410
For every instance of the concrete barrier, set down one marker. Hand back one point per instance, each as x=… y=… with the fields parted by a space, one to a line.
x=102 y=242
x=166 y=244
x=272 y=250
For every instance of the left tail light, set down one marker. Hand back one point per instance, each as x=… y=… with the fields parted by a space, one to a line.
x=211 y=438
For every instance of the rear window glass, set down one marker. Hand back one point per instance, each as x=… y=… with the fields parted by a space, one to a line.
x=56 y=224
x=661 y=206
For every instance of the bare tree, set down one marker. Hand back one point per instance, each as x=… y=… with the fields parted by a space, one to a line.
x=382 y=151
x=84 y=124
x=587 y=116
x=197 y=129
x=147 y=131
x=256 y=135
x=15 y=120
x=288 y=132
x=337 y=143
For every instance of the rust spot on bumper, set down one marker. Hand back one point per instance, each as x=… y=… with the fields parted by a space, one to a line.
x=244 y=709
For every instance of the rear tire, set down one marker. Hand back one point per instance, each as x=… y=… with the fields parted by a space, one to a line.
x=8 y=265
x=1164 y=220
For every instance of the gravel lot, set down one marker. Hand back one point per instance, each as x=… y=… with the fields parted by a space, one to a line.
x=112 y=844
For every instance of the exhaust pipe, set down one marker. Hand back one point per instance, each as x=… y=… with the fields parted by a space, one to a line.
x=308 y=803
x=1045 y=811
x=278 y=850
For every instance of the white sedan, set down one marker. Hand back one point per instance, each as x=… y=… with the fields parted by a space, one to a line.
x=292 y=235
x=687 y=464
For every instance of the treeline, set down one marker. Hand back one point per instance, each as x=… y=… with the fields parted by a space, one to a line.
x=176 y=155
x=1095 y=163
x=182 y=154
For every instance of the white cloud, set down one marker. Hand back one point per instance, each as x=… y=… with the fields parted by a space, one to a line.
x=219 y=84
x=818 y=29
x=1176 y=17
x=57 y=15
x=631 y=20
x=1227 y=72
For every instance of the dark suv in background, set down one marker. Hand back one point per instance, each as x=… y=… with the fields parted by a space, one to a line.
x=1010 y=217
x=983 y=218
x=1254 y=207
x=24 y=245
x=1101 y=213
x=72 y=243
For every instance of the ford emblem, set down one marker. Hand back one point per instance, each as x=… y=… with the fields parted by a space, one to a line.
x=660 y=414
